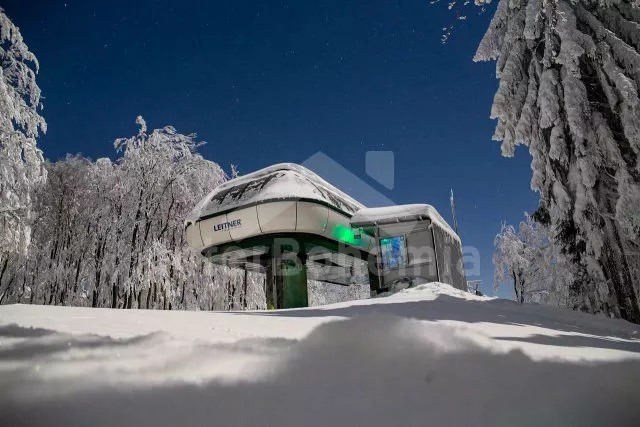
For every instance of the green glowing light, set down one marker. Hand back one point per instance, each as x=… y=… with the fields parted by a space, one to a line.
x=345 y=234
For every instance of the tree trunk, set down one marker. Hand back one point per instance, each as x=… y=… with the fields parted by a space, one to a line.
x=155 y=294
x=114 y=296
x=244 y=290
x=128 y=297
x=515 y=285
x=5 y=264
x=617 y=273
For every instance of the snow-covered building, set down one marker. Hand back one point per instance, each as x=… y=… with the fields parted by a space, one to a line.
x=414 y=243
x=287 y=222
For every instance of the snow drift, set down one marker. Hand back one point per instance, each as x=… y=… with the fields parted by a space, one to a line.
x=431 y=355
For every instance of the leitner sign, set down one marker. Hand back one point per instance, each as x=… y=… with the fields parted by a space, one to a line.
x=227 y=225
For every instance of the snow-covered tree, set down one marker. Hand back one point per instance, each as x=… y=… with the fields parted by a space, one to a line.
x=528 y=260
x=111 y=233
x=20 y=160
x=512 y=259
x=569 y=75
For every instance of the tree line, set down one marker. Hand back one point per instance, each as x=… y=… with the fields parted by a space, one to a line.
x=111 y=233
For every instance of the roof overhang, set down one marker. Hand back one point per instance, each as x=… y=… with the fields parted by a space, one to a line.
x=380 y=216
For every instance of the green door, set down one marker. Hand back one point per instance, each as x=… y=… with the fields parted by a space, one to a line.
x=294 y=280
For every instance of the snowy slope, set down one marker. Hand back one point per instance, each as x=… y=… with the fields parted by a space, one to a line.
x=431 y=355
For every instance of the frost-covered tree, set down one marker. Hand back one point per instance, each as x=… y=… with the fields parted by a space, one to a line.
x=162 y=177
x=61 y=232
x=528 y=260
x=569 y=75
x=20 y=160
x=512 y=259
x=111 y=233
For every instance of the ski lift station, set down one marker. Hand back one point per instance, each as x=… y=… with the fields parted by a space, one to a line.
x=291 y=225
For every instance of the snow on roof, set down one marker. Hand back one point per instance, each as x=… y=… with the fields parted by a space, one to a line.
x=400 y=213
x=282 y=181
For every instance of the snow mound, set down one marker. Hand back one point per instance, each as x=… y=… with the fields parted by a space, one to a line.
x=433 y=289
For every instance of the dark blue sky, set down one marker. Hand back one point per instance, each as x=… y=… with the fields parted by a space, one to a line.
x=265 y=82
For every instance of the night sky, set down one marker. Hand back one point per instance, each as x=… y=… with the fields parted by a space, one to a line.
x=265 y=82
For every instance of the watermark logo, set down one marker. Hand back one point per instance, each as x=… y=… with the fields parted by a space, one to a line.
x=380 y=165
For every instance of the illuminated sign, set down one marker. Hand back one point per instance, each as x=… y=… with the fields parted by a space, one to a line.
x=227 y=225
x=345 y=234
x=394 y=252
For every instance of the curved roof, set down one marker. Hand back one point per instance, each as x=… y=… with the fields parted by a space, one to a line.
x=400 y=213
x=284 y=181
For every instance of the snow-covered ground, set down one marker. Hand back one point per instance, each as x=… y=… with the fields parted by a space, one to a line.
x=430 y=355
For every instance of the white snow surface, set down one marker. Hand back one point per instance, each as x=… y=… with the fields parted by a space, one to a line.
x=426 y=356
x=291 y=181
x=401 y=213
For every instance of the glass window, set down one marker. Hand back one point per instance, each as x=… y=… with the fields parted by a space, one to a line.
x=394 y=252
